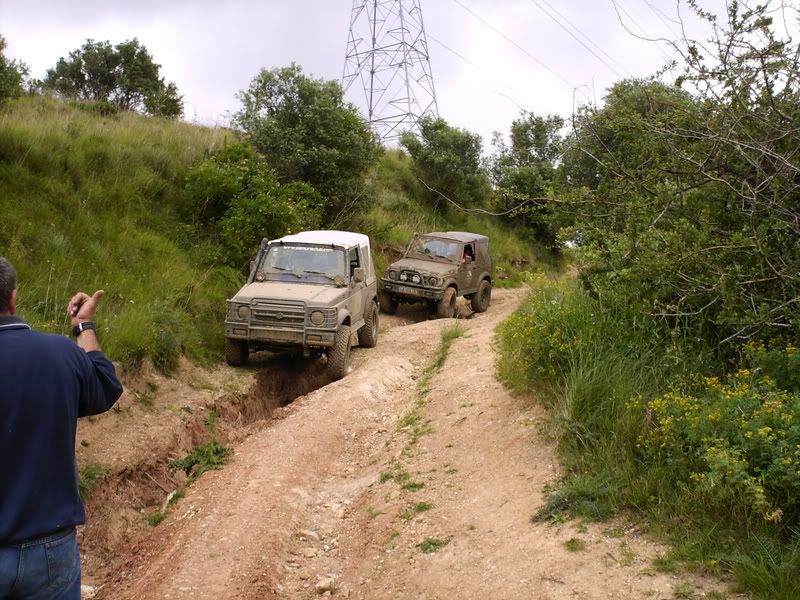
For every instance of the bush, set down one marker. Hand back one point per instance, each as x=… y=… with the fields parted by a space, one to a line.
x=732 y=444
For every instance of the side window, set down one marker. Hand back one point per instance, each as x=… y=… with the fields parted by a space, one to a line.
x=354 y=261
x=469 y=252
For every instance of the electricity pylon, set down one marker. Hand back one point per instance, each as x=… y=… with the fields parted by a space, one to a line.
x=388 y=54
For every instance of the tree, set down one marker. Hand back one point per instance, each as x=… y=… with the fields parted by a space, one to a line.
x=690 y=198
x=12 y=74
x=448 y=161
x=524 y=172
x=123 y=75
x=308 y=133
x=236 y=196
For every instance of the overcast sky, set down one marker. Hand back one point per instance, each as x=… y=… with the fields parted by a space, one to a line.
x=489 y=58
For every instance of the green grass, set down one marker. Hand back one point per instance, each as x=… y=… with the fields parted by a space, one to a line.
x=203 y=458
x=88 y=202
x=575 y=545
x=431 y=545
x=642 y=428
x=89 y=477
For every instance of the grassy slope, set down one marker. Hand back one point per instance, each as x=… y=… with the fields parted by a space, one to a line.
x=86 y=203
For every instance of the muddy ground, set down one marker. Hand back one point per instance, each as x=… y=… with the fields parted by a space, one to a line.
x=368 y=487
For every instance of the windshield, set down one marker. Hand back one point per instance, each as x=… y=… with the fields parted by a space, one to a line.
x=434 y=248
x=309 y=263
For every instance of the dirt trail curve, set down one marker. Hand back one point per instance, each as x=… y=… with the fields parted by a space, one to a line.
x=339 y=493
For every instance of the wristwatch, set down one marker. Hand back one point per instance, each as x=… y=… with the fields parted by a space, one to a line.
x=81 y=327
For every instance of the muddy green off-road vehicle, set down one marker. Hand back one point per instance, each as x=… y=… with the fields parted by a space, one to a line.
x=313 y=292
x=436 y=269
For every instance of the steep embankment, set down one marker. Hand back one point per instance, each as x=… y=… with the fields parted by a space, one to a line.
x=90 y=201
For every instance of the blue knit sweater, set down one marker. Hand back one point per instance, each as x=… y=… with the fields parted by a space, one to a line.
x=46 y=383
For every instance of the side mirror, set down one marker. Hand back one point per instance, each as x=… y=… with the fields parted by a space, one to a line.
x=359 y=275
x=467 y=260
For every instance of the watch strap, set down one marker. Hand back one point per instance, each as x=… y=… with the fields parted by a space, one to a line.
x=81 y=327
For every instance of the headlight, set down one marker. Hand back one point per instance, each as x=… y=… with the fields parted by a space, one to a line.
x=392 y=274
x=433 y=281
x=403 y=277
x=243 y=312
x=317 y=318
x=416 y=279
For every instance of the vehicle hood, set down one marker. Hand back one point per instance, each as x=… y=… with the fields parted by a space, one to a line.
x=425 y=266
x=281 y=290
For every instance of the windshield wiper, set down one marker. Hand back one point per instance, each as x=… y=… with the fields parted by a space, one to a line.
x=331 y=277
x=288 y=271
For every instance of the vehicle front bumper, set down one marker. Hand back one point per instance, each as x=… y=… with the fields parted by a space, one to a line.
x=237 y=330
x=412 y=292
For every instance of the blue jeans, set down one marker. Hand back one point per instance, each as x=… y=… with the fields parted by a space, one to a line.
x=48 y=568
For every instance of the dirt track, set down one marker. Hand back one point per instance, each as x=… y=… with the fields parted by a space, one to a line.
x=335 y=493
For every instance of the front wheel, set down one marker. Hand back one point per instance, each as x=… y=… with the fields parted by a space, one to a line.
x=446 y=308
x=480 y=301
x=389 y=304
x=368 y=334
x=236 y=352
x=339 y=354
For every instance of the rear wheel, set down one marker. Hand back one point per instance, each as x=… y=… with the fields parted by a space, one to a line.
x=389 y=304
x=368 y=334
x=236 y=352
x=339 y=354
x=480 y=301
x=446 y=308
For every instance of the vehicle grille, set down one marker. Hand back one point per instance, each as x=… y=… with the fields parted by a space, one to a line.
x=283 y=315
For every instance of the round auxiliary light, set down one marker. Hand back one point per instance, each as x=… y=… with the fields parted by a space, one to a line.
x=392 y=274
x=317 y=318
x=433 y=281
x=416 y=279
x=403 y=277
x=243 y=312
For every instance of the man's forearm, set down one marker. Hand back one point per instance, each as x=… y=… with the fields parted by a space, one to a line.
x=88 y=341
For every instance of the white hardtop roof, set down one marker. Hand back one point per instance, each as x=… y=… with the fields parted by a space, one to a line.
x=337 y=238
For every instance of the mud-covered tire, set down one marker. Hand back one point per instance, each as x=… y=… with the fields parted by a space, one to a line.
x=339 y=354
x=368 y=334
x=482 y=298
x=446 y=308
x=235 y=352
x=388 y=304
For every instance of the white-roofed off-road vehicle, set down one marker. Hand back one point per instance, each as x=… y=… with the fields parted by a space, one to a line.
x=436 y=269
x=314 y=292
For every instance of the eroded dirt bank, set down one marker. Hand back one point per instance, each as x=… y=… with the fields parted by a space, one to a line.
x=363 y=488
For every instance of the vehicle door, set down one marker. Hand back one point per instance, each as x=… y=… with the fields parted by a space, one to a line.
x=468 y=273
x=358 y=290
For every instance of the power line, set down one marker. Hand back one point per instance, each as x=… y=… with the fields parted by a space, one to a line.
x=619 y=7
x=587 y=38
x=520 y=48
x=577 y=39
x=474 y=66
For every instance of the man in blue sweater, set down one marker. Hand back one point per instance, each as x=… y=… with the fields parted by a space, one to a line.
x=47 y=382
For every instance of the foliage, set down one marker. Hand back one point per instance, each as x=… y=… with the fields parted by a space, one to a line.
x=87 y=206
x=123 y=75
x=732 y=444
x=524 y=172
x=448 y=161
x=204 y=457
x=690 y=199
x=239 y=196
x=642 y=424
x=12 y=74
x=89 y=477
x=308 y=133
